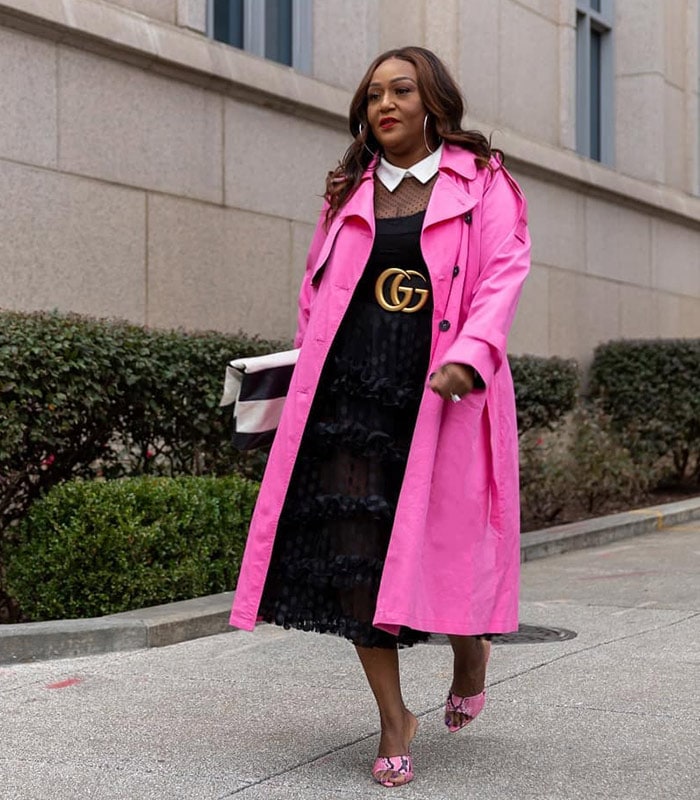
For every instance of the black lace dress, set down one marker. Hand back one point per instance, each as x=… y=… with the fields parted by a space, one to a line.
x=335 y=526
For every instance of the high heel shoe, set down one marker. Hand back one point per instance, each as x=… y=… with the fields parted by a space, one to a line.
x=400 y=770
x=468 y=708
x=393 y=771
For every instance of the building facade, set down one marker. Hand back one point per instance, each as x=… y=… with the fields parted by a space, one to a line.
x=163 y=161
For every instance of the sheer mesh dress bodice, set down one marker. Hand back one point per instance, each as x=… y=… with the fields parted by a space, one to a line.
x=336 y=522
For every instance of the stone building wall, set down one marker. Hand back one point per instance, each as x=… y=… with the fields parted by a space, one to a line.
x=150 y=173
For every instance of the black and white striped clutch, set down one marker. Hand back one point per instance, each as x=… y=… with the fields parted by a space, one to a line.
x=257 y=388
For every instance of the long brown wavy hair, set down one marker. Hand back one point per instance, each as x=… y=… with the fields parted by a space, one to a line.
x=443 y=101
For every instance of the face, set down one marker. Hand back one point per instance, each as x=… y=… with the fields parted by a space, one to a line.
x=395 y=112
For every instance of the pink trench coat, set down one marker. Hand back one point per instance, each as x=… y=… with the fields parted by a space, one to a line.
x=453 y=560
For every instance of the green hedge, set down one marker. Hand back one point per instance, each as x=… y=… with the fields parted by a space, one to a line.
x=545 y=389
x=99 y=547
x=81 y=397
x=651 y=390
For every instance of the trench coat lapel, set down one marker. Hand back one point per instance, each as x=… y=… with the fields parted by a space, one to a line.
x=361 y=203
x=447 y=200
x=359 y=206
x=450 y=197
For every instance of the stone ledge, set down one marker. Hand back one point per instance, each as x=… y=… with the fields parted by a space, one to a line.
x=603 y=530
x=39 y=641
x=118 y=33
x=155 y=626
x=177 y=622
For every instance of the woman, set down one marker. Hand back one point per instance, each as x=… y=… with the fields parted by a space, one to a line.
x=389 y=507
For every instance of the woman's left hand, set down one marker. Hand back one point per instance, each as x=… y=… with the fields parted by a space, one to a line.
x=453 y=381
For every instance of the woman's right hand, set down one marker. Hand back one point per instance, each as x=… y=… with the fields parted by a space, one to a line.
x=453 y=381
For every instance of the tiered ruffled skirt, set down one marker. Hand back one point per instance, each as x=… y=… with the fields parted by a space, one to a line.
x=336 y=523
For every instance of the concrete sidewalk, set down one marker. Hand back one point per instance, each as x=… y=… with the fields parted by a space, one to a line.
x=613 y=713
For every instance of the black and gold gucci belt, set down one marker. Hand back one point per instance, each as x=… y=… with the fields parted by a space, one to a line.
x=401 y=290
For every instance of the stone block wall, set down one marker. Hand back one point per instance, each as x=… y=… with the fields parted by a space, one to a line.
x=152 y=174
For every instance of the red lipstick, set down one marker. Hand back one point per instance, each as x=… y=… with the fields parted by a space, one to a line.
x=387 y=122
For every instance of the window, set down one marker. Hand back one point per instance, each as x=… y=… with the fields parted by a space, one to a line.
x=276 y=29
x=594 y=79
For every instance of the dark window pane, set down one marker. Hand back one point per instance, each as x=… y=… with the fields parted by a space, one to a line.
x=595 y=94
x=278 y=31
x=595 y=5
x=228 y=22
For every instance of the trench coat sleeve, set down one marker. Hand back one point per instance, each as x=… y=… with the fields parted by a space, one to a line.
x=504 y=263
x=307 y=291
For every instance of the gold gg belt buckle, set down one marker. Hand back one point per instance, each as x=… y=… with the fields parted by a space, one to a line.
x=392 y=296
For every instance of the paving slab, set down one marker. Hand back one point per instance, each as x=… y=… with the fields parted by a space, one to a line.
x=123 y=781
x=625 y=573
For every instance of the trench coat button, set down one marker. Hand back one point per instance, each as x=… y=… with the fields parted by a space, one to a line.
x=444 y=325
x=468 y=217
x=455 y=271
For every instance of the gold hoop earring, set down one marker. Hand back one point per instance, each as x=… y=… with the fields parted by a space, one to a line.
x=364 y=142
x=425 y=135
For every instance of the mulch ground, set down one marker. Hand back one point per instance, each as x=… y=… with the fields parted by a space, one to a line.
x=575 y=514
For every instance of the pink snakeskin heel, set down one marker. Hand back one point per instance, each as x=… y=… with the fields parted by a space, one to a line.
x=401 y=770
x=468 y=707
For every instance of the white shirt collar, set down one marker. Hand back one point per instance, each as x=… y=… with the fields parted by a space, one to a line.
x=391 y=176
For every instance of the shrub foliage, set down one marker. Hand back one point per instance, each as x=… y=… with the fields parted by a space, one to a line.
x=545 y=389
x=99 y=547
x=581 y=468
x=82 y=397
x=651 y=390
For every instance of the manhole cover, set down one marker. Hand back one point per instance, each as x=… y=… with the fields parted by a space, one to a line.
x=527 y=634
